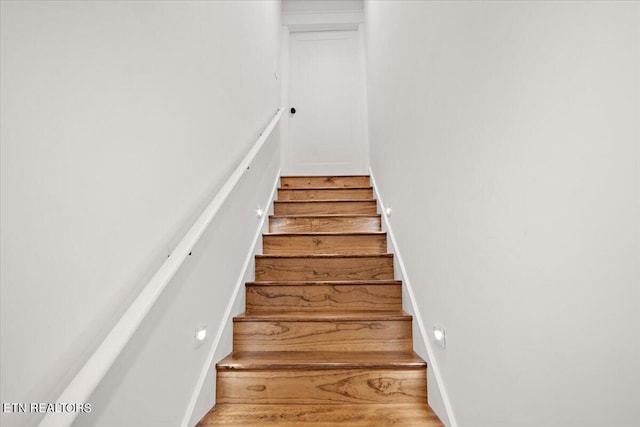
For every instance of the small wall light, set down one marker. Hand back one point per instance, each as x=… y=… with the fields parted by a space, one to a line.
x=388 y=211
x=201 y=335
x=439 y=336
x=259 y=212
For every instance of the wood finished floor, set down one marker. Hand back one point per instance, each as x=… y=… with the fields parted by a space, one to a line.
x=323 y=340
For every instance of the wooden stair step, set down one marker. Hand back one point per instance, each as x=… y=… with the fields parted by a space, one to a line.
x=324 y=223
x=362 y=415
x=325 y=243
x=323 y=282
x=324 y=340
x=324 y=331
x=313 y=193
x=321 y=377
x=340 y=386
x=321 y=207
x=324 y=267
x=303 y=316
x=317 y=360
x=336 y=386
x=325 y=181
x=376 y=295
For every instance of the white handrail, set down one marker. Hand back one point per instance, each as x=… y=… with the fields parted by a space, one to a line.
x=87 y=379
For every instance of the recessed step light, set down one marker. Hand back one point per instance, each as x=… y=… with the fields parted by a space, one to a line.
x=200 y=335
x=439 y=336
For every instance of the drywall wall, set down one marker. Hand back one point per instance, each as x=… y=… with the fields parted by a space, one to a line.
x=205 y=393
x=436 y=393
x=120 y=120
x=156 y=380
x=504 y=137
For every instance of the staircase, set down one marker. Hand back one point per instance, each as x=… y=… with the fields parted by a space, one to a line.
x=324 y=340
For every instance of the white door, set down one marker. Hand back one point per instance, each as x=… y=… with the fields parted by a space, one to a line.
x=326 y=133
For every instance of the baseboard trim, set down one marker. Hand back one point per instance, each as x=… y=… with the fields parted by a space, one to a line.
x=416 y=312
x=227 y=314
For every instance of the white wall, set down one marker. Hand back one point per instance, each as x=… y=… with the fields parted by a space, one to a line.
x=120 y=120
x=504 y=136
x=157 y=377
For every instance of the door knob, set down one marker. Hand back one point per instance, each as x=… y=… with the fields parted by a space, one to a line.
x=293 y=110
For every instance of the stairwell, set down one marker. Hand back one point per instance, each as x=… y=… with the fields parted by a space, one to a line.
x=323 y=340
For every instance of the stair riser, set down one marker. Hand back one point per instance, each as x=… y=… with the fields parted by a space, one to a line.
x=324 y=181
x=326 y=194
x=384 y=335
x=337 y=298
x=342 y=245
x=318 y=269
x=336 y=386
x=325 y=208
x=324 y=224
x=356 y=415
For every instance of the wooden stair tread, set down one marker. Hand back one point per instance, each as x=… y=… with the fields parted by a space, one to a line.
x=315 y=243
x=324 y=267
x=355 y=215
x=323 y=282
x=319 y=296
x=359 y=415
x=360 y=187
x=310 y=360
x=322 y=316
x=326 y=193
x=326 y=201
x=331 y=256
x=334 y=181
x=324 y=176
x=338 y=222
x=327 y=206
x=329 y=233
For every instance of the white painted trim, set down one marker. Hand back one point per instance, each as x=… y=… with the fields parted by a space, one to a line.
x=284 y=95
x=227 y=314
x=94 y=370
x=416 y=310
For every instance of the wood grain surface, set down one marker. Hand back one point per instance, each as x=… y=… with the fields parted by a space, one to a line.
x=324 y=181
x=325 y=243
x=357 y=193
x=372 y=385
x=324 y=296
x=360 y=415
x=324 y=267
x=276 y=360
x=324 y=207
x=323 y=340
x=322 y=334
x=324 y=223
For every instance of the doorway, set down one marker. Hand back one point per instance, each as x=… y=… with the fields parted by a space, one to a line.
x=327 y=132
